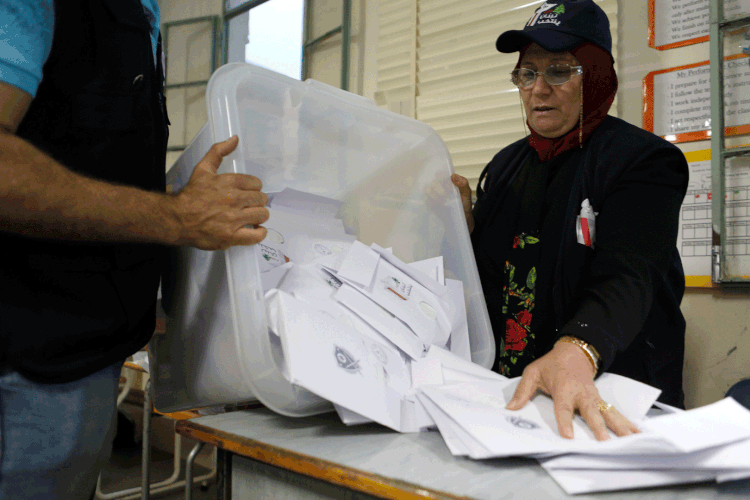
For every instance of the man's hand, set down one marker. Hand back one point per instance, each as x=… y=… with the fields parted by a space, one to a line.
x=463 y=188
x=39 y=197
x=215 y=211
x=566 y=374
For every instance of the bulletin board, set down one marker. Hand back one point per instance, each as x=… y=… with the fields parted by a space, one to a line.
x=677 y=101
x=676 y=23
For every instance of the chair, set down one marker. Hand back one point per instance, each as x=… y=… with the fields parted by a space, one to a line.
x=171 y=483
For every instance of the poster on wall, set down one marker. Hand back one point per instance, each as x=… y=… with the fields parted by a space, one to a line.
x=676 y=23
x=677 y=101
x=694 y=236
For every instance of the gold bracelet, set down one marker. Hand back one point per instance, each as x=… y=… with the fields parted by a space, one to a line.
x=590 y=351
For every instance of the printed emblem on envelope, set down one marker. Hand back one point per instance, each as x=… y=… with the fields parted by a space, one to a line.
x=322 y=249
x=403 y=290
x=334 y=282
x=522 y=423
x=346 y=361
x=379 y=353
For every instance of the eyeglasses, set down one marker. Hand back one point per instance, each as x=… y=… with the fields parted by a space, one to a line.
x=556 y=74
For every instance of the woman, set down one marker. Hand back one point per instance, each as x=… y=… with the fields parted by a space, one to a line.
x=575 y=229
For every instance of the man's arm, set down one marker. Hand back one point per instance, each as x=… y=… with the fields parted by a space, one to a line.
x=42 y=198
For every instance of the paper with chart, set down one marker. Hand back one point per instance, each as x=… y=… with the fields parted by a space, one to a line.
x=695 y=235
x=737 y=213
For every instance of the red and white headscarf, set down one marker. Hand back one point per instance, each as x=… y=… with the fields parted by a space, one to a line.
x=599 y=89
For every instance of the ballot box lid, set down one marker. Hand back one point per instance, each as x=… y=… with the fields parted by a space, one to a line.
x=392 y=174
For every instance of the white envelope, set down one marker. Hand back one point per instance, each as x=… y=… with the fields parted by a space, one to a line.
x=427 y=282
x=575 y=482
x=300 y=201
x=733 y=456
x=331 y=263
x=434 y=267
x=271 y=279
x=479 y=408
x=459 y=339
x=299 y=280
x=359 y=264
x=631 y=397
x=349 y=417
x=725 y=476
x=307 y=223
x=409 y=301
x=330 y=359
x=290 y=233
x=727 y=420
x=414 y=417
x=459 y=442
x=270 y=256
x=395 y=371
x=314 y=247
x=426 y=371
x=453 y=364
x=455 y=445
x=384 y=322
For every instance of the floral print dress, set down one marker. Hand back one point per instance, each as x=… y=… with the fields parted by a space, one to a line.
x=519 y=293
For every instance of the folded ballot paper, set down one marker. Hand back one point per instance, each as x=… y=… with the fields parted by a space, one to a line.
x=387 y=341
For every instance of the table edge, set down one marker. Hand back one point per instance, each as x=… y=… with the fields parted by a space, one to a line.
x=349 y=477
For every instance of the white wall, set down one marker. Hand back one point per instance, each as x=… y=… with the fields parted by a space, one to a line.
x=718 y=342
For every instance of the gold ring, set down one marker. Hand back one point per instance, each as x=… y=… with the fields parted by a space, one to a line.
x=602 y=406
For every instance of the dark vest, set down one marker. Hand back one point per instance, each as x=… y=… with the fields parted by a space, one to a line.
x=69 y=309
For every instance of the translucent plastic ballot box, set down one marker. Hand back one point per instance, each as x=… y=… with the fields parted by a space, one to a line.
x=391 y=173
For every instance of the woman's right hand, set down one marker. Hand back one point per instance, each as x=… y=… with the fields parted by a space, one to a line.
x=463 y=188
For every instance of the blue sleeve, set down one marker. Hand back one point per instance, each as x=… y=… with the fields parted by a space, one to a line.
x=154 y=17
x=26 y=28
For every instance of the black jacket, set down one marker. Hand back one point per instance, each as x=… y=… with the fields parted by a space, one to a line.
x=69 y=309
x=624 y=296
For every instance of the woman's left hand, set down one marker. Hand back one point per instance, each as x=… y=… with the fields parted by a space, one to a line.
x=566 y=374
x=462 y=183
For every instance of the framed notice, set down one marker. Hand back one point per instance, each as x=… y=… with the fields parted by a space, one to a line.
x=694 y=236
x=676 y=23
x=677 y=101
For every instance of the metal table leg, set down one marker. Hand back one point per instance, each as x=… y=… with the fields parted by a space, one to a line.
x=146 y=454
x=224 y=474
x=189 y=470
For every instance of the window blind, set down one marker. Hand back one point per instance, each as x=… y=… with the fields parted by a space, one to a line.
x=437 y=63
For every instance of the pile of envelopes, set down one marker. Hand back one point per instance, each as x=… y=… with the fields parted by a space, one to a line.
x=388 y=342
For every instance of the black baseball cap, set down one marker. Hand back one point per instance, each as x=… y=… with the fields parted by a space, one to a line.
x=561 y=26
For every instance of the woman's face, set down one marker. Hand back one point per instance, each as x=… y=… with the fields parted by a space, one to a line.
x=552 y=110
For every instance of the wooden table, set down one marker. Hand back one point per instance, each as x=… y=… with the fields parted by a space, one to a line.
x=266 y=455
